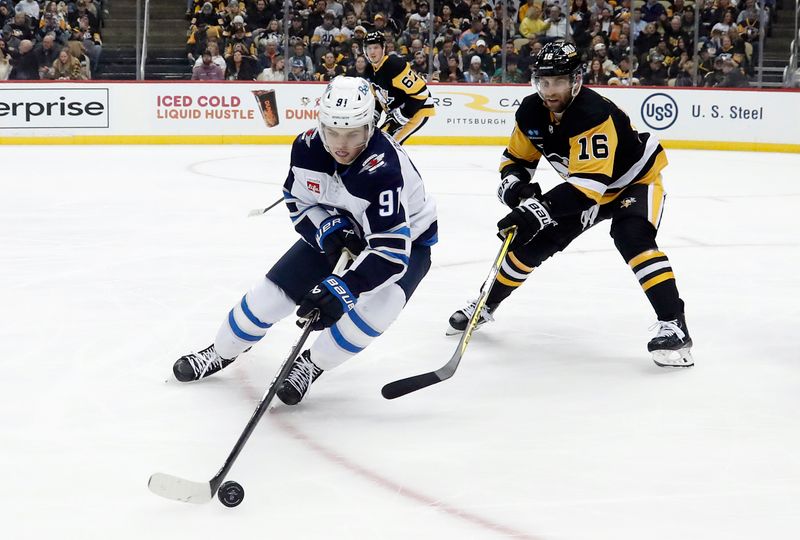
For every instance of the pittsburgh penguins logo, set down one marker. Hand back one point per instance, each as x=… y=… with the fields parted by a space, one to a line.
x=627 y=202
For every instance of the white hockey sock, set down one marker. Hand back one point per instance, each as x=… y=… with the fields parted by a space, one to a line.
x=248 y=321
x=356 y=329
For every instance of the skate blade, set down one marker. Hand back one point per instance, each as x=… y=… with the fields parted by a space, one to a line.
x=673 y=359
x=453 y=331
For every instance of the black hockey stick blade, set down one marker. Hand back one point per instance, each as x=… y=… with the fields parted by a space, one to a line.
x=405 y=386
x=401 y=387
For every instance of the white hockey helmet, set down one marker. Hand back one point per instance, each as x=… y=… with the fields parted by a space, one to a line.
x=348 y=102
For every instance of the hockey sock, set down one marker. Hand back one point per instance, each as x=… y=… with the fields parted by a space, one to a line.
x=654 y=272
x=248 y=321
x=512 y=274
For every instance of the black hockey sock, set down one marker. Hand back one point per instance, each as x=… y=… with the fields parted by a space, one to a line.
x=654 y=272
x=512 y=274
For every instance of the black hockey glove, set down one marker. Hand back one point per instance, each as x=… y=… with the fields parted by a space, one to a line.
x=531 y=216
x=513 y=190
x=332 y=297
x=337 y=233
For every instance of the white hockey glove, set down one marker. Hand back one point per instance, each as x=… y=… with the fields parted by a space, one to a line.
x=512 y=190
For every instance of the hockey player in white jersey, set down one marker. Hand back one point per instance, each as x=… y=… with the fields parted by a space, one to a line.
x=349 y=187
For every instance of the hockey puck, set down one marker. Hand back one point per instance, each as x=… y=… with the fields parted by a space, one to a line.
x=230 y=494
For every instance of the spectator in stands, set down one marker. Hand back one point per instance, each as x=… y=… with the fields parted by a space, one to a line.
x=716 y=75
x=451 y=73
x=601 y=54
x=17 y=30
x=198 y=41
x=216 y=57
x=623 y=75
x=687 y=21
x=241 y=67
x=595 y=76
x=422 y=16
x=297 y=29
x=91 y=41
x=732 y=75
x=513 y=75
x=419 y=64
x=533 y=25
x=558 y=23
x=482 y=51
x=384 y=8
x=356 y=8
x=654 y=12
x=298 y=72
x=24 y=64
x=50 y=25
x=637 y=24
x=653 y=72
x=67 y=67
x=5 y=61
x=348 y=27
x=684 y=76
x=468 y=38
x=5 y=14
x=647 y=40
x=328 y=69
x=259 y=17
x=81 y=10
x=317 y=16
x=620 y=49
x=207 y=70
x=523 y=9
x=359 y=68
x=46 y=53
x=29 y=8
x=233 y=11
x=448 y=49
x=324 y=35
x=239 y=36
x=275 y=72
x=207 y=17
x=475 y=73
x=268 y=56
x=78 y=52
x=300 y=54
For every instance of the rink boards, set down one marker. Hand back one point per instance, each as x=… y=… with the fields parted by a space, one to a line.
x=99 y=112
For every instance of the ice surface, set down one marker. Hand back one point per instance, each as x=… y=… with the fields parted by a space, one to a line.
x=117 y=260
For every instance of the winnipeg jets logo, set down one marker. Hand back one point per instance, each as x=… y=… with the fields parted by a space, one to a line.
x=312 y=186
x=627 y=202
x=372 y=162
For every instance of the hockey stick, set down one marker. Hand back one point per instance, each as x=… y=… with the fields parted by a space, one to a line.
x=180 y=489
x=405 y=386
x=259 y=211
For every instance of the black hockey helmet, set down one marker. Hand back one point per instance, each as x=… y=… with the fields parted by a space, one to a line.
x=375 y=38
x=556 y=58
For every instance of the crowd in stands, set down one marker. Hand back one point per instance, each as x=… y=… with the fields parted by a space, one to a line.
x=623 y=42
x=50 y=40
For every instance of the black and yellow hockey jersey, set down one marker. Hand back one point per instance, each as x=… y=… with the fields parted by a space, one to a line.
x=593 y=146
x=400 y=88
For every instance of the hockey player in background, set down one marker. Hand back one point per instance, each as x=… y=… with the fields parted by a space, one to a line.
x=610 y=171
x=349 y=187
x=403 y=95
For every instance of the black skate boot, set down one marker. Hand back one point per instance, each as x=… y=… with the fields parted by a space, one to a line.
x=672 y=345
x=196 y=366
x=295 y=385
x=460 y=319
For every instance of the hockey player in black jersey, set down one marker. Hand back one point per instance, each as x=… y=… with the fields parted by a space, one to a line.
x=403 y=95
x=610 y=171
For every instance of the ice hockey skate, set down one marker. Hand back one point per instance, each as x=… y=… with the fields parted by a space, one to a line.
x=672 y=345
x=196 y=366
x=295 y=386
x=459 y=320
